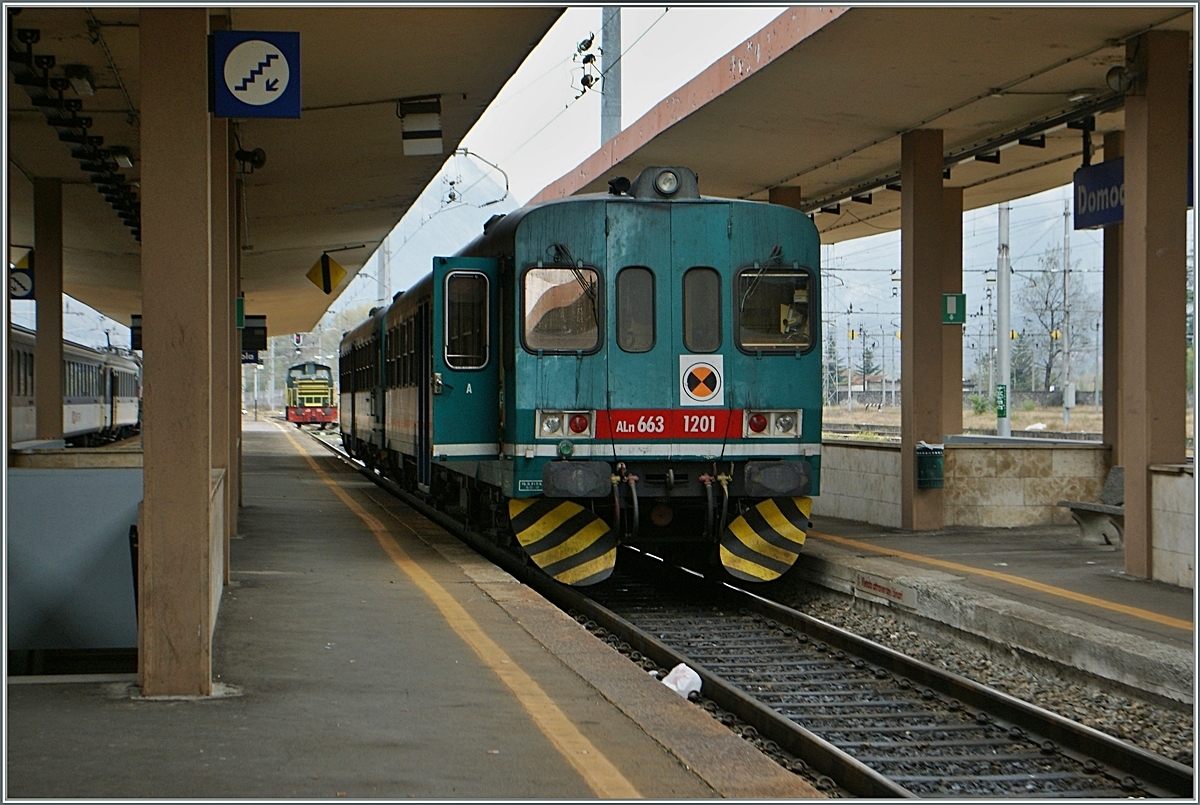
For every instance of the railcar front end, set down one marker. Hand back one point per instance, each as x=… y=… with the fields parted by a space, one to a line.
x=632 y=368
x=310 y=395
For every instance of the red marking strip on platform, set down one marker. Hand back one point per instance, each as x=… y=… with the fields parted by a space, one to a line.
x=643 y=424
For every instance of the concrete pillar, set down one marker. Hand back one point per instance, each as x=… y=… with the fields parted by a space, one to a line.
x=238 y=222
x=1153 y=328
x=952 y=335
x=48 y=379
x=174 y=628
x=1114 y=148
x=787 y=196
x=922 y=213
x=222 y=316
x=234 y=481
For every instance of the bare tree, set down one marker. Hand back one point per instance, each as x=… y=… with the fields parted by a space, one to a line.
x=1040 y=299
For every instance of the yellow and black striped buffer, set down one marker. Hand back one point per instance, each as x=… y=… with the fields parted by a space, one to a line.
x=570 y=543
x=763 y=543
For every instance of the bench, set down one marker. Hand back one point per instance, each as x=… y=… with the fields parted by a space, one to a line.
x=1102 y=523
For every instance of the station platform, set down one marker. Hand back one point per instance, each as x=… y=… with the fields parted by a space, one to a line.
x=362 y=652
x=1038 y=590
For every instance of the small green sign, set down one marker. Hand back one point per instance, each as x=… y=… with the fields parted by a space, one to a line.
x=954 y=308
x=1001 y=401
x=241 y=312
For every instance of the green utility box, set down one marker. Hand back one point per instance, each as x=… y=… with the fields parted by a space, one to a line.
x=930 y=472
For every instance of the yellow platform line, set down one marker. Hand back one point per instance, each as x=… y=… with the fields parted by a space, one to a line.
x=1144 y=614
x=597 y=771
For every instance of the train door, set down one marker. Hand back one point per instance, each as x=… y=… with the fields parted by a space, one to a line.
x=424 y=349
x=378 y=380
x=112 y=393
x=700 y=328
x=466 y=360
x=640 y=352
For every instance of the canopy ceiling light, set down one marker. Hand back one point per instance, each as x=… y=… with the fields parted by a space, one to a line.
x=1120 y=78
x=80 y=77
x=421 y=125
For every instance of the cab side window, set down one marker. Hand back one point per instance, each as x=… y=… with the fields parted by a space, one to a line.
x=635 y=309
x=702 y=309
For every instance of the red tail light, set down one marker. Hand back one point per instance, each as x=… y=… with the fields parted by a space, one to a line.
x=758 y=423
x=579 y=423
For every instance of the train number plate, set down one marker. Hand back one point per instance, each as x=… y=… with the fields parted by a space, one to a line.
x=668 y=424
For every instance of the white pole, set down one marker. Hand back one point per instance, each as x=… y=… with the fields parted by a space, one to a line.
x=1068 y=390
x=610 y=69
x=1003 y=327
x=849 y=369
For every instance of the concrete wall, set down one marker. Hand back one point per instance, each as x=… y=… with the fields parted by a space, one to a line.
x=984 y=485
x=1173 y=523
x=70 y=574
x=860 y=481
x=1018 y=486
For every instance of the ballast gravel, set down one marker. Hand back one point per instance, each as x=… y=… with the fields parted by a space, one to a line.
x=1164 y=730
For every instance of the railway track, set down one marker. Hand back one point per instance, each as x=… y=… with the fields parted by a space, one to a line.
x=849 y=713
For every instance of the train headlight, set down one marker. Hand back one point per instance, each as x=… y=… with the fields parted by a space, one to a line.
x=784 y=423
x=551 y=424
x=667 y=183
x=578 y=424
x=758 y=423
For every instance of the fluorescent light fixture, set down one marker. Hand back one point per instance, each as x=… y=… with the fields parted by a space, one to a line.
x=80 y=77
x=121 y=155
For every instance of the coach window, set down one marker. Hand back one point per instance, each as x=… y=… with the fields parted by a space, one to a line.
x=562 y=309
x=702 y=310
x=466 y=320
x=635 y=309
x=773 y=309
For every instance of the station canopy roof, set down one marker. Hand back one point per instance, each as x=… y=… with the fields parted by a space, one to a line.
x=820 y=97
x=336 y=177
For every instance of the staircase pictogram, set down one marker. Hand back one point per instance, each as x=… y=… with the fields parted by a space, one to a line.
x=256 y=72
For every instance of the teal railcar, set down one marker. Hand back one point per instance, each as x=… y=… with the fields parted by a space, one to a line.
x=638 y=367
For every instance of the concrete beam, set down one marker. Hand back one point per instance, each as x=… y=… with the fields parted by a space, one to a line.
x=787 y=196
x=922 y=213
x=48 y=379
x=222 y=314
x=174 y=627
x=1114 y=148
x=1153 y=324
x=952 y=335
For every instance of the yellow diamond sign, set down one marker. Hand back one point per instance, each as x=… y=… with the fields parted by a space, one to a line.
x=326 y=274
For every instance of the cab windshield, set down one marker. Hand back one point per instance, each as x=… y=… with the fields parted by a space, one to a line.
x=773 y=309
x=561 y=309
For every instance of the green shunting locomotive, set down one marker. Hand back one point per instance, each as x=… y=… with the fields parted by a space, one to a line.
x=638 y=367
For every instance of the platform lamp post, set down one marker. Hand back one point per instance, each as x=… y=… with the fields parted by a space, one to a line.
x=1096 y=377
x=1054 y=336
x=895 y=363
x=850 y=335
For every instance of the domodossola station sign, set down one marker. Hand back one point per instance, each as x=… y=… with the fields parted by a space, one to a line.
x=1100 y=193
